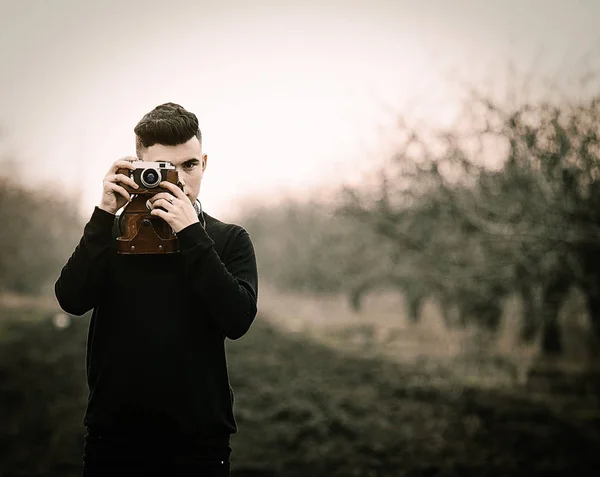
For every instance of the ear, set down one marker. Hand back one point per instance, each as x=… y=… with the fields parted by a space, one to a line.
x=204 y=161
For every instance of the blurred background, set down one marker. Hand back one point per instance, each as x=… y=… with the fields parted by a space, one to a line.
x=421 y=184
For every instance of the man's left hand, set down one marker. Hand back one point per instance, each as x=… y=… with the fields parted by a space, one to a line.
x=178 y=211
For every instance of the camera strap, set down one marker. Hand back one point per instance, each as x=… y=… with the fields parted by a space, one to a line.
x=200 y=213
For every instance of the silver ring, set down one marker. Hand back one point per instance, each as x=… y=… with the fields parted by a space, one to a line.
x=170 y=199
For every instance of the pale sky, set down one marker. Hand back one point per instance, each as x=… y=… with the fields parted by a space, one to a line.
x=289 y=94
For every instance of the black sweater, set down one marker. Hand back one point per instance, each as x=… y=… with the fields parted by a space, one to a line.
x=156 y=343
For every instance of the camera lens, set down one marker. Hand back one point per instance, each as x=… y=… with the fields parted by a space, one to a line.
x=150 y=177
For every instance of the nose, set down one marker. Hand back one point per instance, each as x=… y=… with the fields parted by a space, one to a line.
x=180 y=183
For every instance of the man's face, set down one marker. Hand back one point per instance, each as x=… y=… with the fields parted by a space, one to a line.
x=187 y=159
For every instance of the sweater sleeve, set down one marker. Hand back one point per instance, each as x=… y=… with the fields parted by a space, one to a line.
x=230 y=288
x=81 y=278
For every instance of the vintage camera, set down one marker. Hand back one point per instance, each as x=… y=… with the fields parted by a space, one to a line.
x=140 y=232
x=148 y=175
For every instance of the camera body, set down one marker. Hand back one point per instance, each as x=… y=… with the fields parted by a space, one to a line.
x=147 y=175
x=141 y=232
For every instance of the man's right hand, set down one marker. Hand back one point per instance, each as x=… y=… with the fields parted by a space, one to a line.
x=114 y=196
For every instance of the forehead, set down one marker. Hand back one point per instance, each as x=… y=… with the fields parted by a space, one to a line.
x=174 y=154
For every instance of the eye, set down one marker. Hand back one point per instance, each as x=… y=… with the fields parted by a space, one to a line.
x=189 y=165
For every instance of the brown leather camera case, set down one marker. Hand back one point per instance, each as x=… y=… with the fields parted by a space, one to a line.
x=143 y=233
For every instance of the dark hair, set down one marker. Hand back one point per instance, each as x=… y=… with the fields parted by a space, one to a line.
x=168 y=124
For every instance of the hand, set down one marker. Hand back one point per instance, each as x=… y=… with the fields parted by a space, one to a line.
x=114 y=196
x=178 y=210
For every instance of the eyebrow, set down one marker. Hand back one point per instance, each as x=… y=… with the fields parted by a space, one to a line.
x=193 y=159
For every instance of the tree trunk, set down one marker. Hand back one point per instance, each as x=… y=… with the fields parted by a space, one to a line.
x=530 y=324
x=553 y=297
x=551 y=338
x=356 y=295
x=594 y=313
x=413 y=305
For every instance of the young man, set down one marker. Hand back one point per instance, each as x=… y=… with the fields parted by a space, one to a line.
x=160 y=402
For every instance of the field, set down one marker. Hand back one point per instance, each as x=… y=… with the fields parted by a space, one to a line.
x=322 y=392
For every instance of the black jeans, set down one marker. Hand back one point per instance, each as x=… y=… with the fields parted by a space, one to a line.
x=146 y=456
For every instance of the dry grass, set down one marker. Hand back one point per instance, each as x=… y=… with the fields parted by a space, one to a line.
x=382 y=328
x=12 y=300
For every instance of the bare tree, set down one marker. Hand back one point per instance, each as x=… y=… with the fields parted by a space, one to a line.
x=528 y=224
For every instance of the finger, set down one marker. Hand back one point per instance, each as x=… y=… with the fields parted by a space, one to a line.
x=176 y=191
x=165 y=204
x=162 y=195
x=160 y=213
x=125 y=180
x=122 y=164
x=129 y=158
x=119 y=190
